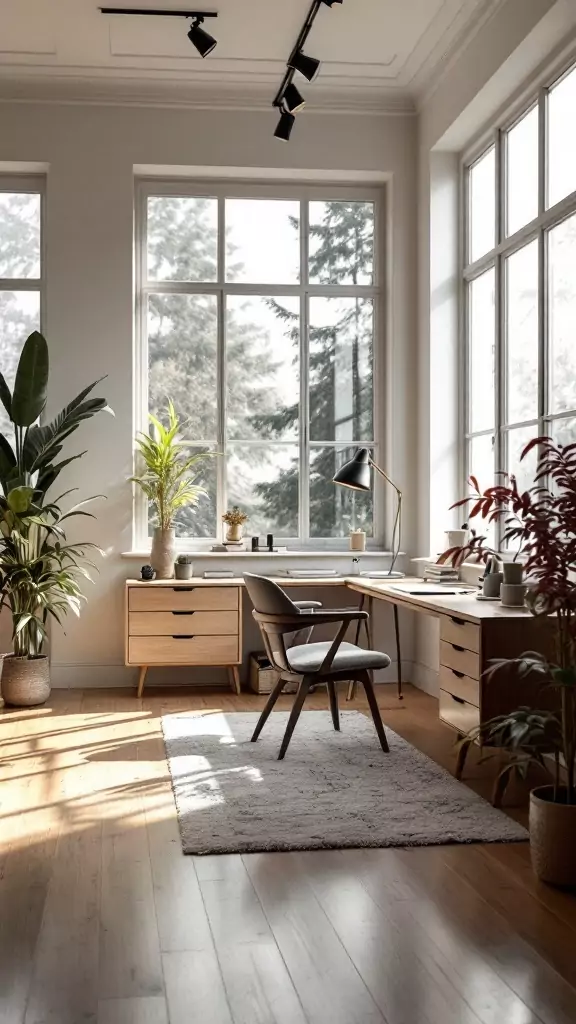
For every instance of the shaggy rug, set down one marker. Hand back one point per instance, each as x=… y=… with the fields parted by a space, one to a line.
x=332 y=790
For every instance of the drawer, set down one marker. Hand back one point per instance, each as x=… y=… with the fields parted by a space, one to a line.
x=183 y=650
x=463 y=661
x=169 y=623
x=457 y=631
x=460 y=685
x=458 y=713
x=183 y=599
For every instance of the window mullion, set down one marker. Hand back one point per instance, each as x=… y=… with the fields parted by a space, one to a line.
x=304 y=420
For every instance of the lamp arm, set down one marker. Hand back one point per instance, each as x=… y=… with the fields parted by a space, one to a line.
x=397 y=529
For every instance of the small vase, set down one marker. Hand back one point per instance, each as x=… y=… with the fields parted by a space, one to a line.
x=163 y=552
x=25 y=681
x=234 y=533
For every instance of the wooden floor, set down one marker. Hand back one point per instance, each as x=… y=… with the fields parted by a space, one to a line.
x=104 y=921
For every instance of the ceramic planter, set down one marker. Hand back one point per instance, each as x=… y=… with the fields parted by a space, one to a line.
x=25 y=681
x=163 y=553
x=234 y=533
x=552 y=837
x=183 y=570
x=513 y=573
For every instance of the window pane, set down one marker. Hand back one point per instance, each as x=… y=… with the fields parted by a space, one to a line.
x=19 y=316
x=341 y=243
x=182 y=345
x=522 y=172
x=263 y=480
x=481 y=355
x=182 y=238
x=19 y=234
x=263 y=336
x=263 y=241
x=199 y=521
x=564 y=431
x=481 y=460
x=482 y=209
x=561 y=139
x=334 y=511
x=522 y=332
x=562 y=313
x=341 y=332
x=524 y=470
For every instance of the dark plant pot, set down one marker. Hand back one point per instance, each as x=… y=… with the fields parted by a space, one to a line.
x=552 y=837
x=25 y=681
x=183 y=571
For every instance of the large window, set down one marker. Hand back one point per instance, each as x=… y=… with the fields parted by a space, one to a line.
x=20 y=272
x=520 y=286
x=257 y=315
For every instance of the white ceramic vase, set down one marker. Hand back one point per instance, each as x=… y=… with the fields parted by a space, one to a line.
x=163 y=553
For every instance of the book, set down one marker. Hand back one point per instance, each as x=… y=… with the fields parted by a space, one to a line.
x=218 y=574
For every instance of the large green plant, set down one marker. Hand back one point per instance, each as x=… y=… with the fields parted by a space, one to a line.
x=168 y=480
x=40 y=573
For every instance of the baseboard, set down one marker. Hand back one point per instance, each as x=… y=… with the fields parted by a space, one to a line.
x=425 y=678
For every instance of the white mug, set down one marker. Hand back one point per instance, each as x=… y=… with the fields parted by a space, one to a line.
x=456 y=538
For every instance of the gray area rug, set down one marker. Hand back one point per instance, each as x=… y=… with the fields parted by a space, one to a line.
x=332 y=790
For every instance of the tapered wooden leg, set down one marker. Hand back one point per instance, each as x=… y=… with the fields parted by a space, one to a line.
x=268 y=708
x=234 y=677
x=295 y=714
x=351 y=690
x=461 y=759
x=375 y=710
x=141 y=679
x=333 y=705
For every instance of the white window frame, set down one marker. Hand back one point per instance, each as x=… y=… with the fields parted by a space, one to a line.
x=538 y=230
x=33 y=184
x=221 y=190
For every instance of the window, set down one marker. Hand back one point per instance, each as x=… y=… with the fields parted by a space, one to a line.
x=520 y=287
x=20 y=272
x=257 y=314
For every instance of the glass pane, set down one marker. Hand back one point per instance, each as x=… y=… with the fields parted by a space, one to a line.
x=182 y=238
x=19 y=316
x=522 y=331
x=341 y=243
x=481 y=354
x=263 y=338
x=341 y=333
x=19 y=234
x=564 y=431
x=263 y=241
x=562 y=315
x=482 y=209
x=522 y=172
x=263 y=480
x=182 y=345
x=524 y=470
x=198 y=521
x=561 y=139
x=334 y=510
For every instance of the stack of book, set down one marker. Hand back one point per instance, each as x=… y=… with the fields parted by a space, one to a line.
x=230 y=545
x=435 y=573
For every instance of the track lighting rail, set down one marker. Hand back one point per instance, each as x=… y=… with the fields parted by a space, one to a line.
x=163 y=13
x=304 y=33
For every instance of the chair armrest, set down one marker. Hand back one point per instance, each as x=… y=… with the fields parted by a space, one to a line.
x=292 y=623
x=303 y=605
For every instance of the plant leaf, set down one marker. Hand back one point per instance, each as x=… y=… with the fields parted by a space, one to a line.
x=31 y=384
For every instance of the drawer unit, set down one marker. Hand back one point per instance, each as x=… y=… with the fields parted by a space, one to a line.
x=183 y=650
x=454 y=656
x=460 y=685
x=183 y=599
x=458 y=713
x=195 y=623
x=459 y=632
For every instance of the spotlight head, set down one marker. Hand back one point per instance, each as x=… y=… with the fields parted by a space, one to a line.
x=284 y=126
x=201 y=39
x=293 y=99
x=330 y=3
x=307 y=66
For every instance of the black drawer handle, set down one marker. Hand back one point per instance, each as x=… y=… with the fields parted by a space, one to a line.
x=457 y=699
x=459 y=674
x=186 y=590
x=456 y=647
x=182 y=613
x=458 y=622
x=182 y=636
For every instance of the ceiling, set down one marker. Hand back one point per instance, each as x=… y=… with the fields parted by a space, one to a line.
x=376 y=54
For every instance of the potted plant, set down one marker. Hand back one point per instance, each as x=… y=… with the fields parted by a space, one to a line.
x=40 y=574
x=234 y=520
x=541 y=524
x=183 y=567
x=168 y=483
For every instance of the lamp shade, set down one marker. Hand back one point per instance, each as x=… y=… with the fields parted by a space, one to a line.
x=356 y=473
x=307 y=66
x=285 y=126
x=201 y=39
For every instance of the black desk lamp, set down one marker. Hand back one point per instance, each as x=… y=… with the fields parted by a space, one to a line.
x=356 y=475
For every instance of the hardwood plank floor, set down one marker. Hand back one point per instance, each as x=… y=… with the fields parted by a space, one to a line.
x=104 y=921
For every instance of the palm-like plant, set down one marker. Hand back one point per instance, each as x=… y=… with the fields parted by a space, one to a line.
x=169 y=469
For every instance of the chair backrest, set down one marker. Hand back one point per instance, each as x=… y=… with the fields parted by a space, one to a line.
x=269 y=599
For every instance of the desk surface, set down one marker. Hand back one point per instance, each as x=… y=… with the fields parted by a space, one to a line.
x=464 y=606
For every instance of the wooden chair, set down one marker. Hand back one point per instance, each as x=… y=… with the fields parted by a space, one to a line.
x=311 y=663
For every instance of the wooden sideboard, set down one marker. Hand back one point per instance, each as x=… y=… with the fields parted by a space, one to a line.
x=192 y=622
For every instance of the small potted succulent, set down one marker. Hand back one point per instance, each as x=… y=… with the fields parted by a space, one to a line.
x=234 y=520
x=183 y=567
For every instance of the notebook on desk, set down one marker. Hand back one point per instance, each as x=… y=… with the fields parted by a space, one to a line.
x=433 y=589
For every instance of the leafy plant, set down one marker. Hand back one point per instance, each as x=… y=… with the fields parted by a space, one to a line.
x=184 y=560
x=169 y=470
x=234 y=517
x=541 y=523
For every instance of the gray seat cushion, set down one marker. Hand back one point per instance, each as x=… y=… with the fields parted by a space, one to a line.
x=309 y=657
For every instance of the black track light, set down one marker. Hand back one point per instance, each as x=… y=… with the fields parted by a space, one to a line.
x=201 y=39
x=284 y=126
x=293 y=99
x=307 y=66
x=330 y=3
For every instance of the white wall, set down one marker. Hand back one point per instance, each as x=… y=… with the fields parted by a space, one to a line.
x=91 y=152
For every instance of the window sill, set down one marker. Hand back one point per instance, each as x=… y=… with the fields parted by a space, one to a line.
x=340 y=553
